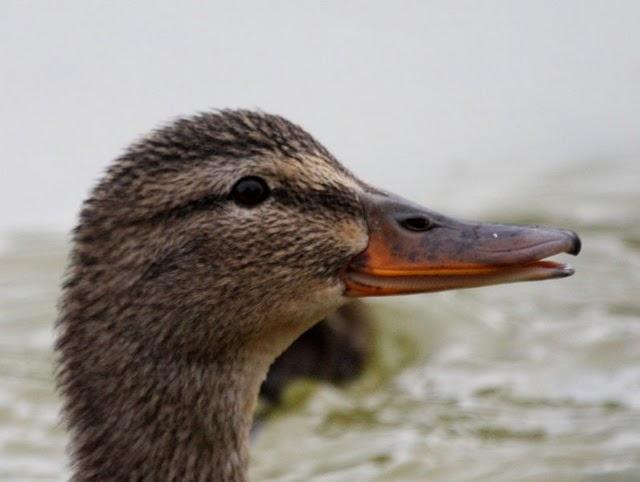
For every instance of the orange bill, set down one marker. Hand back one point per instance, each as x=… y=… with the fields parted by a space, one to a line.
x=414 y=250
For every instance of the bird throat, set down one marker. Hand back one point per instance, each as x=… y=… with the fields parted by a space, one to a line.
x=173 y=422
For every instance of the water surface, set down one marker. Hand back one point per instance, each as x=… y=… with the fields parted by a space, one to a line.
x=528 y=382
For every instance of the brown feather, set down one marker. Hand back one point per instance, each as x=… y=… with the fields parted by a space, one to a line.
x=171 y=315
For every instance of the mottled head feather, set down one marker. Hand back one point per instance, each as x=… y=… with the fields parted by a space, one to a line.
x=177 y=299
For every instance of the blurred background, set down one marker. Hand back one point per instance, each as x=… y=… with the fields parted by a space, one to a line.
x=497 y=110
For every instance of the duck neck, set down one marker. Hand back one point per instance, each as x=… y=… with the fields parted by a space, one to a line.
x=160 y=374
x=165 y=421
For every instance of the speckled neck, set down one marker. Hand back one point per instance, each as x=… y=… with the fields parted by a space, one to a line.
x=173 y=421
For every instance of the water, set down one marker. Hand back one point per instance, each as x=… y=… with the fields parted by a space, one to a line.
x=528 y=382
x=504 y=111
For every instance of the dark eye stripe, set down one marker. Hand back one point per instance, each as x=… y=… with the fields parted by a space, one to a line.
x=329 y=199
x=212 y=201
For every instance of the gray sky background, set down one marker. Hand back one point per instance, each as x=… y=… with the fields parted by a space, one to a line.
x=407 y=93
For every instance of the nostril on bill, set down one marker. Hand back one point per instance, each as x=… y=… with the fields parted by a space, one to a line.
x=416 y=223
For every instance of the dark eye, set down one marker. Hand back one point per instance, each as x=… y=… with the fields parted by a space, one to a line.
x=417 y=223
x=250 y=191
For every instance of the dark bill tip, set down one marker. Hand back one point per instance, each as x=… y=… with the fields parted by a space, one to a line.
x=576 y=245
x=566 y=271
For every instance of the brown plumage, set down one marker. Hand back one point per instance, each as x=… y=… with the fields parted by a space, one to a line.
x=177 y=299
x=335 y=350
x=207 y=249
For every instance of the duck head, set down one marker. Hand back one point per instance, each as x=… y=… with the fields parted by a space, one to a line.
x=240 y=211
x=206 y=249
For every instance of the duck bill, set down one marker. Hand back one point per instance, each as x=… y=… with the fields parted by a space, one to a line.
x=414 y=250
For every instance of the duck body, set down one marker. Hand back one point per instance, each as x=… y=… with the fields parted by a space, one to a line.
x=207 y=248
x=335 y=350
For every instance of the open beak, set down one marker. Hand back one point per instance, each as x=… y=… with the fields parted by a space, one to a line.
x=414 y=250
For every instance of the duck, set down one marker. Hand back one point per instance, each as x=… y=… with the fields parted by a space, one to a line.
x=335 y=350
x=205 y=250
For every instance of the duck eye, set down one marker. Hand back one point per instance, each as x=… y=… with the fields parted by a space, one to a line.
x=250 y=191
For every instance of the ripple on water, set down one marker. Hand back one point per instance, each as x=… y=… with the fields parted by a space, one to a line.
x=530 y=382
